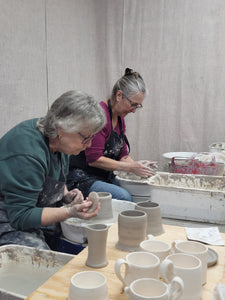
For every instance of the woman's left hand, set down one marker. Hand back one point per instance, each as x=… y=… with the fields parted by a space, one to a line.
x=73 y=195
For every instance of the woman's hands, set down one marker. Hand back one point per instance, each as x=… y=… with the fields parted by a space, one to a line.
x=79 y=210
x=140 y=169
x=77 y=207
x=151 y=165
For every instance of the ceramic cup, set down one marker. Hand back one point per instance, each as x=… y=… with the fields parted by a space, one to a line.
x=196 y=249
x=159 y=248
x=97 y=239
x=88 y=285
x=132 y=226
x=188 y=267
x=154 y=219
x=137 y=265
x=154 y=289
x=105 y=211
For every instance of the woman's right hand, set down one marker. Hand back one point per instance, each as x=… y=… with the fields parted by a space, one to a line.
x=140 y=170
x=79 y=210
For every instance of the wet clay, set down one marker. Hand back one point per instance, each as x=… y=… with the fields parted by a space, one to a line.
x=200 y=182
x=94 y=198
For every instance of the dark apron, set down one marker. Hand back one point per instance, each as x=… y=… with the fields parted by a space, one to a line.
x=82 y=176
x=51 y=196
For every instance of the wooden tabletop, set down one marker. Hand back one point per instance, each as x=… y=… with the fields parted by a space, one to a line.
x=57 y=287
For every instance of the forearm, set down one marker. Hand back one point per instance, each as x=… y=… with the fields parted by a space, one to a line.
x=126 y=164
x=127 y=158
x=51 y=215
x=108 y=164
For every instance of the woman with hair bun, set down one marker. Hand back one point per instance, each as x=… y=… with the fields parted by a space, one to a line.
x=92 y=169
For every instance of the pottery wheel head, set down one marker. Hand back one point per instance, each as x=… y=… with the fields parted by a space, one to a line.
x=94 y=198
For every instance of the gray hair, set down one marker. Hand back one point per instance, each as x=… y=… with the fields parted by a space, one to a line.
x=131 y=84
x=73 y=111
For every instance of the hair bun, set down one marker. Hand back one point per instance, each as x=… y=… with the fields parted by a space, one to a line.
x=128 y=71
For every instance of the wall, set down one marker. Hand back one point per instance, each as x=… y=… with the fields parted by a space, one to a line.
x=50 y=46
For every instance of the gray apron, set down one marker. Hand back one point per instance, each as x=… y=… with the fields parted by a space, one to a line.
x=45 y=237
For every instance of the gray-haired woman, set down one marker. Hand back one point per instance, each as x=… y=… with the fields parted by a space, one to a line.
x=109 y=151
x=34 y=162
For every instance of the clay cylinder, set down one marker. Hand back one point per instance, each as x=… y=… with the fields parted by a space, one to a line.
x=132 y=225
x=154 y=219
x=97 y=239
x=105 y=211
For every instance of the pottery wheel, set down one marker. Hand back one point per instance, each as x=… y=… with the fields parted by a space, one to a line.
x=83 y=223
x=117 y=207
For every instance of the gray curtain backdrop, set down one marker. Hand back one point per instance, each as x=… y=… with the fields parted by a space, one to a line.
x=48 y=47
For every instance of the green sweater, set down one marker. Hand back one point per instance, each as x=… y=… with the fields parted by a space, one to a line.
x=25 y=162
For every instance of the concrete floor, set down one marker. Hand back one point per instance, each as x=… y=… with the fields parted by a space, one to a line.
x=186 y=223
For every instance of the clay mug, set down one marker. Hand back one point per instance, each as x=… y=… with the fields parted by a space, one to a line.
x=97 y=239
x=159 y=248
x=105 y=211
x=154 y=289
x=137 y=265
x=88 y=285
x=154 y=219
x=132 y=226
x=188 y=268
x=196 y=249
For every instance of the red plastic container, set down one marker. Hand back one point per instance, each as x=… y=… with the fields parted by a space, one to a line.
x=192 y=166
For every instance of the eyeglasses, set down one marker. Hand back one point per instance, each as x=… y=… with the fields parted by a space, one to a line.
x=134 y=104
x=86 y=139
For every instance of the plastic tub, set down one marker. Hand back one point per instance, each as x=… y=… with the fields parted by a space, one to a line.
x=23 y=269
x=179 y=156
x=190 y=197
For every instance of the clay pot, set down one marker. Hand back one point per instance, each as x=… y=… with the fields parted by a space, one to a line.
x=159 y=248
x=88 y=285
x=189 y=269
x=132 y=225
x=194 y=248
x=152 y=289
x=105 y=211
x=154 y=219
x=137 y=265
x=97 y=238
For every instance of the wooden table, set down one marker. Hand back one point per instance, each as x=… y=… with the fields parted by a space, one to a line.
x=57 y=287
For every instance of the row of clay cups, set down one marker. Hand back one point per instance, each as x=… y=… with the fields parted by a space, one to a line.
x=92 y=285
x=132 y=234
x=141 y=278
x=180 y=271
x=162 y=249
x=166 y=263
x=143 y=271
